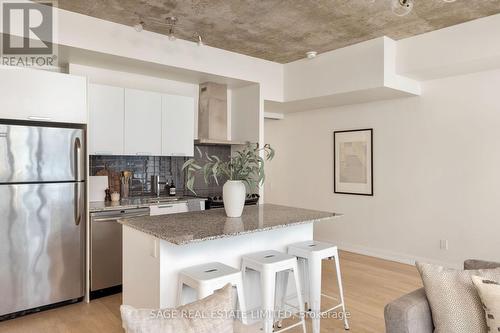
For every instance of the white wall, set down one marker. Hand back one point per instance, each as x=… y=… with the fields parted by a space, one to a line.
x=436 y=165
x=359 y=73
x=463 y=48
x=356 y=67
x=134 y=81
x=84 y=32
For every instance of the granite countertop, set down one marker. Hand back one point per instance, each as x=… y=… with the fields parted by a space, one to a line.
x=139 y=202
x=185 y=228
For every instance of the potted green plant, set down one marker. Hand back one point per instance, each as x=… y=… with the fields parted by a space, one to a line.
x=245 y=168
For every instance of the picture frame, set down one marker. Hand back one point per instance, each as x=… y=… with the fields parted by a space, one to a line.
x=353 y=162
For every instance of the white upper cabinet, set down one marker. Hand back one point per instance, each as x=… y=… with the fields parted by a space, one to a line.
x=142 y=123
x=29 y=94
x=177 y=125
x=106 y=120
x=135 y=122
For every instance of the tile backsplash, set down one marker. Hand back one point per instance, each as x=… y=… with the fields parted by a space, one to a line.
x=168 y=168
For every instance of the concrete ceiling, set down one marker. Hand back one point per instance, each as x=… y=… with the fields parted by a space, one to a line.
x=283 y=30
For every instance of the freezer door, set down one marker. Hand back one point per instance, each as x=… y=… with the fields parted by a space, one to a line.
x=42 y=238
x=41 y=154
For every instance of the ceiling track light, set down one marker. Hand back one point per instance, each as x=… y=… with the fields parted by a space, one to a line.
x=311 y=54
x=402 y=7
x=171 y=23
x=200 y=41
x=139 y=26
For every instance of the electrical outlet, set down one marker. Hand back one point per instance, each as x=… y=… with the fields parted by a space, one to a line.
x=443 y=244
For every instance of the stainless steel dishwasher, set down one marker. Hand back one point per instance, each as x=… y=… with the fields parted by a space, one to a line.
x=106 y=250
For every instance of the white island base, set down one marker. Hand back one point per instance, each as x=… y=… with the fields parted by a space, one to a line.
x=151 y=265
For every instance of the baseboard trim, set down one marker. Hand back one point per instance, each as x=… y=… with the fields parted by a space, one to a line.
x=388 y=255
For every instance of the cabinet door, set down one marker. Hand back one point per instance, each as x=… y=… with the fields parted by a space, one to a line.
x=177 y=126
x=142 y=123
x=106 y=107
x=30 y=94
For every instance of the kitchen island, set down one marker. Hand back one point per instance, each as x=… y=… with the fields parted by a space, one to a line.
x=156 y=248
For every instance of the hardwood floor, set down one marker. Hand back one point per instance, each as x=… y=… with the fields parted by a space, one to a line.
x=369 y=284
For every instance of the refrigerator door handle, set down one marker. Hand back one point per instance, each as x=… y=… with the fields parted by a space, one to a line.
x=78 y=156
x=78 y=199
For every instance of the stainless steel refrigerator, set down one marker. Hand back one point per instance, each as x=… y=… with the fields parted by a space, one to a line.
x=42 y=215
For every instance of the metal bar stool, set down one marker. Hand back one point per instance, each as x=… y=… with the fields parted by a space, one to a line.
x=208 y=278
x=312 y=253
x=269 y=264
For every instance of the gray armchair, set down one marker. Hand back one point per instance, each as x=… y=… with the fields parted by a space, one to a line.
x=412 y=314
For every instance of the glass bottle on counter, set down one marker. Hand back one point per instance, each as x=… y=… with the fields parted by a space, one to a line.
x=172 y=190
x=167 y=188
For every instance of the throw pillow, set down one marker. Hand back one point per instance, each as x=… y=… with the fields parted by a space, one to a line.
x=489 y=291
x=211 y=314
x=454 y=301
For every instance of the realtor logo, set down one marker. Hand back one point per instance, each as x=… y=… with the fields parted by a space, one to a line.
x=28 y=33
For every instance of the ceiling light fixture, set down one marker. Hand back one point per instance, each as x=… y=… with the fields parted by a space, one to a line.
x=402 y=7
x=311 y=54
x=200 y=41
x=139 y=26
x=171 y=22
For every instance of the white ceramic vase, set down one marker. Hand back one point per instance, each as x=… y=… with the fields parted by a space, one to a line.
x=233 y=194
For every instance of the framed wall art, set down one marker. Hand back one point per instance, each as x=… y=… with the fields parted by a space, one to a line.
x=353 y=162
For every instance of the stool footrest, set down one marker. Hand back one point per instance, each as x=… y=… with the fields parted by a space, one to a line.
x=294 y=315
x=330 y=310
x=330 y=297
x=292 y=306
x=289 y=327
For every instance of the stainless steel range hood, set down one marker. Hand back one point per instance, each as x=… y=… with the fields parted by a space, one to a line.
x=212 y=115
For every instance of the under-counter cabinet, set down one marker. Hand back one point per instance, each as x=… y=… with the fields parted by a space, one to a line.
x=177 y=125
x=106 y=117
x=30 y=94
x=168 y=209
x=142 y=123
